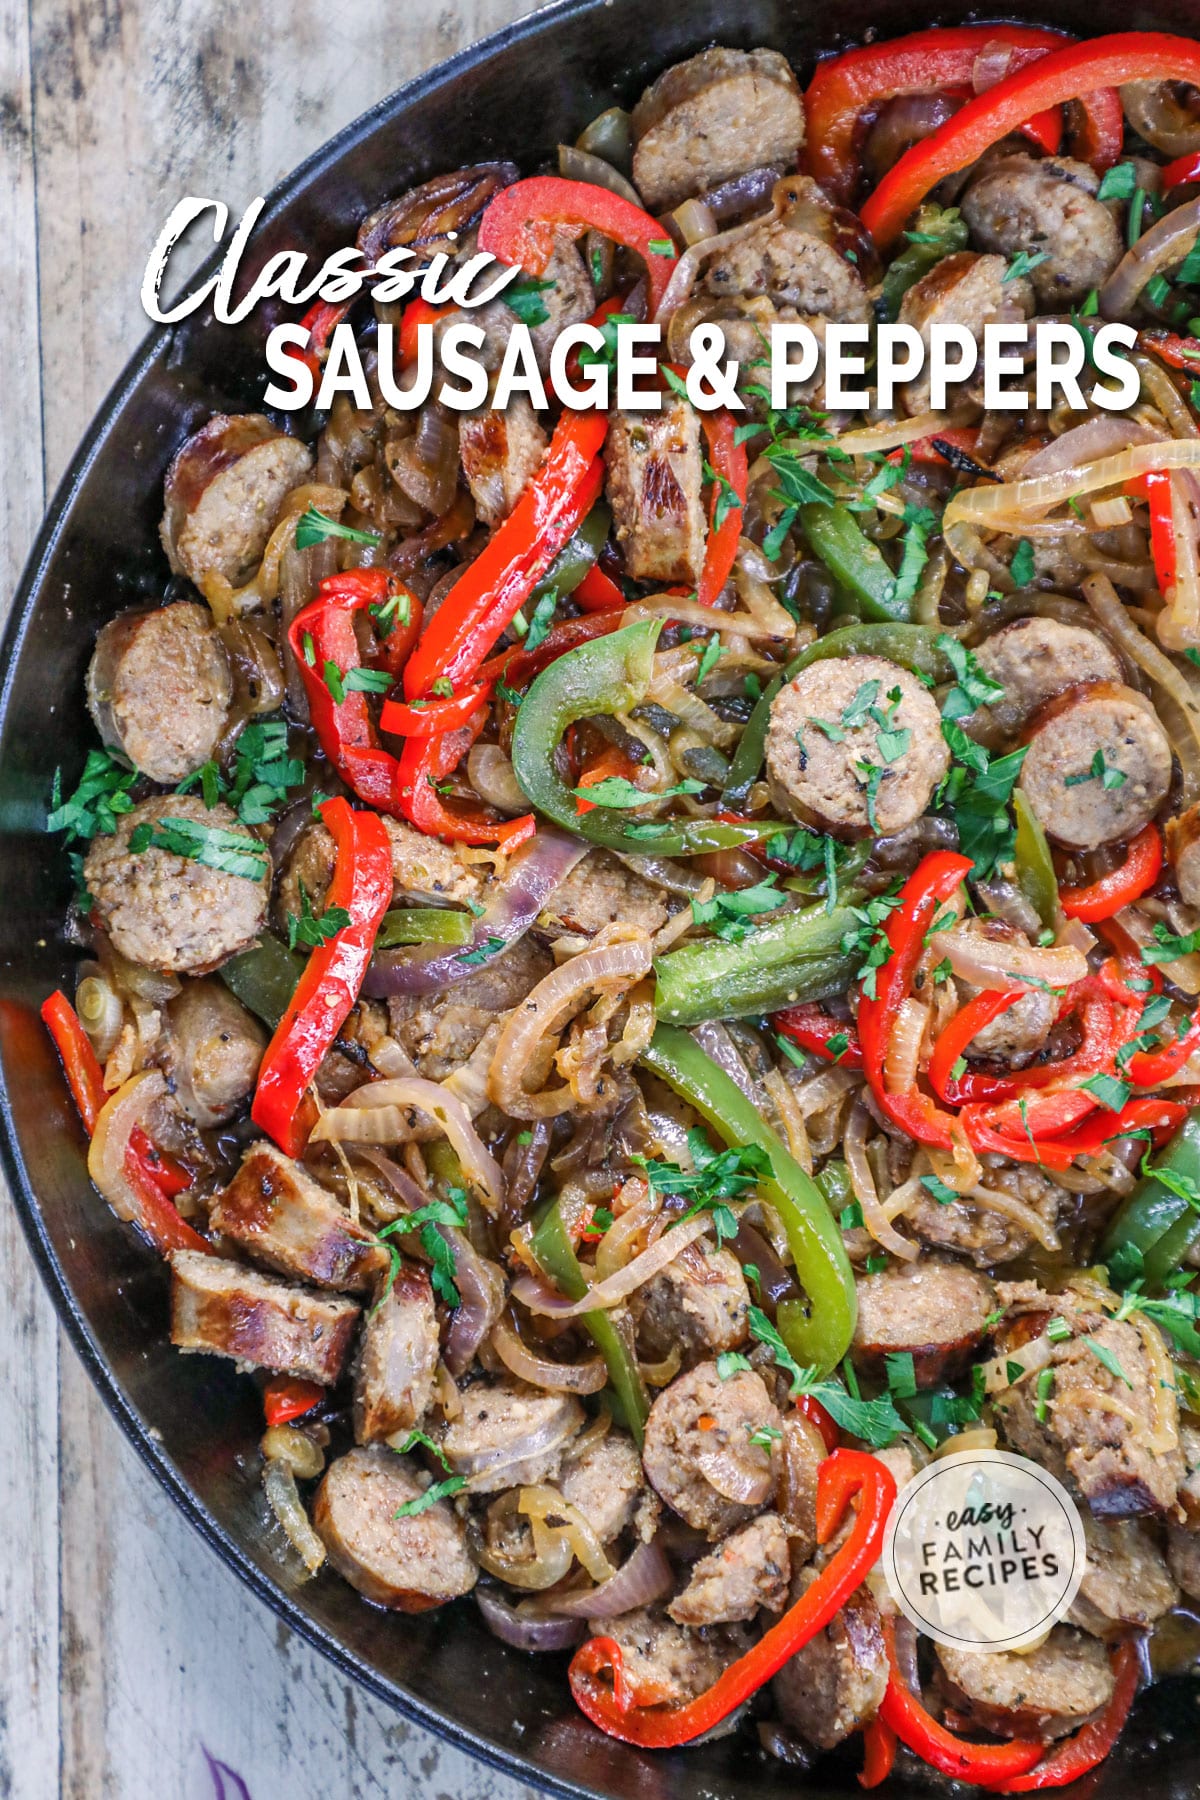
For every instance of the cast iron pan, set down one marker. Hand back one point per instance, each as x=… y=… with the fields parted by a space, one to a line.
x=195 y=1421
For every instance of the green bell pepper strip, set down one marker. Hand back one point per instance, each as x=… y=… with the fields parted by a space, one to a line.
x=819 y=1332
x=911 y=646
x=423 y=925
x=853 y=560
x=939 y=232
x=1035 y=870
x=1159 y=1223
x=264 y=978
x=555 y=1254
x=791 y=958
x=608 y=675
x=577 y=554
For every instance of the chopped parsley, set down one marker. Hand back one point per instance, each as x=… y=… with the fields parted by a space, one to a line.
x=491 y=946
x=1105 y=1356
x=1023 y=263
x=230 y=852
x=944 y=1195
x=732 y=1362
x=763 y=1436
x=311 y=931
x=728 y=498
x=524 y=298
x=441 y=1490
x=1042 y=1386
x=313 y=527
x=876 y=1422
x=1098 y=770
x=1167 y=947
x=901 y=1374
x=543 y=618
x=868 y=940
x=716 y=1177
x=425 y=1221
x=1110 y=1092
x=1022 y=568
x=1118 y=183
x=708 y=662
x=617 y=791
x=730 y=914
x=99 y=799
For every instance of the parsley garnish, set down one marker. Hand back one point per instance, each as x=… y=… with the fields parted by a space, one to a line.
x=441 y=1490
x=876 y=1422
x=231 y=852
x=716 y=1177
x=732 y=1362
x=313 y=527
x=101 y=796
x=1098 y=770
x=311 y=931
x=944 y=1195
x=1022 y=568
x=1023 y=263
x=617 y=791
x=525 y=299
x=1104 y=1355
x=491 y=946
x=425 y=1221
x=729 y=914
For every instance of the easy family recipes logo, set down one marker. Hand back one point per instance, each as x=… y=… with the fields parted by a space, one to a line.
x=619 y=362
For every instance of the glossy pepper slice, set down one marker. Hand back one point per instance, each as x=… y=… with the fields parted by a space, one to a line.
x=424 y=765
x=791 y=959
x=616 y=1710
x=554 y=1252
x=924 y=62
x=286 y=1397
x=813 y=1029
x=519 y=226
x=1159 y=1223
x=609 y=675
x=819 y=1334
x=485 y=599
x=987 y=1765
x=879 y=1753
x=853 y=560
x=329 y=986
x=1135 y=877
x=728 y=460
x=1090 y=1745
x=1089 y=68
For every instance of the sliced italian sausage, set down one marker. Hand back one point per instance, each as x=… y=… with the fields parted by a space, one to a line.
x=1034 y=660
x=654 y=482
x=933 y=1308
x=1126 y=1581
x=855 y=747
x=1044 y=1693
x=229 y=1310
x=499 y=451
x=699 y=1304
x=665 y=1663
x=606 y=1483
x=210 y=1052
x=600 y=891
x=280 y=1216
x=1019 y=1032
x=509 y=1435
x=747 y=1571
x=223 y=493
x=710 y=1450
x=166 y=910
x=961 y=289
x=1183 y=849
x=440 y=1031
x=718 y=114
x=1047 y=208
x=1098 y=766
x=977 y=1230
x=159 y=688
x=397 y=1358
x=408 y=1563
x=1183 y=1558
x=835 y=1683
x=797 y=259
x=423 y=869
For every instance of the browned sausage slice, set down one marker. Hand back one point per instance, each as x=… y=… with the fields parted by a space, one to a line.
x=397 y=1358
x=717 y=114
x=1098 y=766
x=1043 y=1693
x=159 y=689
x=408 y=1563
x=795 y=260
x=835 y=1683
x=1126 y=1582
x=223 y=493
x=665 y=1663
x=227 y=1309
x=607 y=1485
x=936 y=1309
x=746 y=1571
x=699 y=1304
x=1034 y=660
x=654 y=481
x=280 y=1216
x=509 y=1435
x=961 y=289
x=1047 y=208
x=1183 y=849
x=499 y=451
x=709 y=1450
x=211 y=1052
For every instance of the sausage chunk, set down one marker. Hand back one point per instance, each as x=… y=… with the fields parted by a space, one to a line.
x=936 y=1309
x=499 y=451
x=795 y=261
x=280 y=1216
x=699 y=1303
x=508 y=1435
x=718 y=114
x=599 y=891
x=1044 y=1693
x=1108 y=1458
x=1126 y=1582
x=665 y=1663
x=747 y=1571
x=1034 y=660
x=228 y=1310
x=423 y=869
x=654 y=481
x=607 y=1485
x=408 y=1563
x=397 y=1358
x=961 y=289
x=1183 y=849
x=169 y=911
x=223 y=494
x=835 y=1683
x=211 y=1052
x=439 y=1031
x=978 y=1231
x=855 y=747
x=159 y=689
x=1048 y=208
x=701 y=1453
x=1183 y=1558
x=1022 y=1029
x=1098 y=766
x=801 y=1454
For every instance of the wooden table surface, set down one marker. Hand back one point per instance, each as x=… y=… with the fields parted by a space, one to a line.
x=127 y=1650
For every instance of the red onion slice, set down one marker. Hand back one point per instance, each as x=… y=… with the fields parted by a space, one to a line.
x=536 y=869
x=522 y=1631
x=643 y=1577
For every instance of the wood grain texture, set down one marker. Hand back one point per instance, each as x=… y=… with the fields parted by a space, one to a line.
x=126 y=1649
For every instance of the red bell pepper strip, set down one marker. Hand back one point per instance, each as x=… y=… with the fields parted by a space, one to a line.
x=931 y=883
x=1150 y=1068
x=333 y=975
x=1183 y=169
x=1153 y=1113
x=322 y=637
x=983 y=1135
x=519 y=226
x=879 y=1753
x=598 y=592
x=1046 y=130
x=418 y=312
x=952 y=1042
x=424 y=764
x=1077 y=70
x=1075 y=1756
x=1128 y=962
x=286 y=1397
x=728 y=460
x=636 y=1720
x=987 y=1765
x=1135 y=877
x=1104 y=1006
x=85 y=1078
x=1176 y=351
x=319 y=322
x=517 y=667
x=923 y=62
x=811 y=1409
x=1154 y=487
x=487 y=597
x=811 y=1027
x=430 y=718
